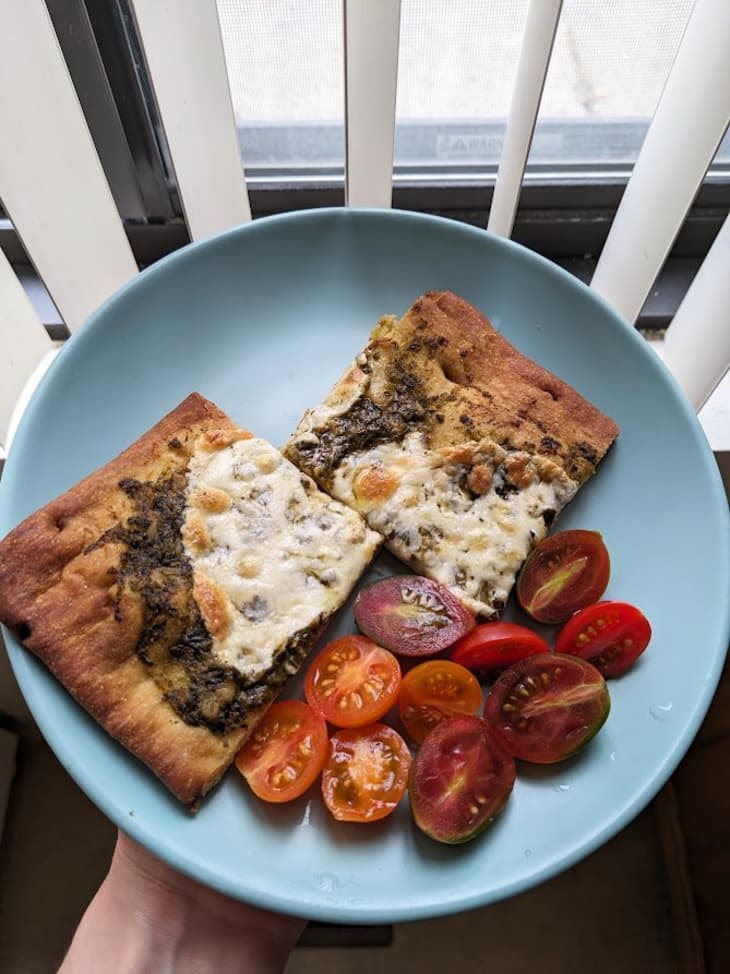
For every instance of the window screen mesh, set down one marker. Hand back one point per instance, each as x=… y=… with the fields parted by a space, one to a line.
x=458 y=60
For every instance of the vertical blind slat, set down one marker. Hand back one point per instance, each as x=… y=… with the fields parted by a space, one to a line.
x=184 y=52
x=372 y=30
x=537 y=45
x=697 y=345
x=51 y=180
x=23 y=341
x=689 y=122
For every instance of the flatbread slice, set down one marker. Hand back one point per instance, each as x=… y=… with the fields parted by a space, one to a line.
x=457 y=448
x=175 y=590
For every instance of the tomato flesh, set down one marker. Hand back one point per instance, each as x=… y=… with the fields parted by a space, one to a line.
x=495 y=645
x=365 y=774
x=460 y=780
x=411 y=615
x=612 y=635
x=562 y=574
x=352 y=682
x=433 y=691
x=546 y=708
x=285 y=752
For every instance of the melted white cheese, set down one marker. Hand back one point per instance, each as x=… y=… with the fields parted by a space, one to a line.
x=283 y=553
x=473 y=545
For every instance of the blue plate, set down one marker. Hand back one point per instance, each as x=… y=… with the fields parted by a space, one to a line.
x=262 y=320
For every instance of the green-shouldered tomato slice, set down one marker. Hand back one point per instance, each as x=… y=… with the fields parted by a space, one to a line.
x=546 y=708
x=496 y=645
x=352 y=682
x=460 y=780
x=612 y=635
x=411 y=615
x=433 y=691
x=563 y=573
x=366 y=773
x=285 y=753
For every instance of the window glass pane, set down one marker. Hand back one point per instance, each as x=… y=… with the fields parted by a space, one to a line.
x=458 y=60
x=455 y=76
x=458 y=63
x=285 y=67
x=610 y=61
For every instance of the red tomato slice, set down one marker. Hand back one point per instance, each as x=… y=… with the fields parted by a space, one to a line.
x=612 y=635
x=494 y=645
x=352 y=682
x=365 y=774
x=460 y=780
x=545 y=708
x=433 y=691
x=562 y=574
x=411 y=615
x=285 y=753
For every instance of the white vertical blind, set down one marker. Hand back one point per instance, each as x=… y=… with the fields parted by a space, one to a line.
x=689 y=122
x=697 y=345
x=372 y=30
x=51 y=180
x=537 y=45
x=23 y=341
x=184 y=52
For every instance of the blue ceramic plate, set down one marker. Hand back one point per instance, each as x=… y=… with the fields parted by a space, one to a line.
x=262 y=320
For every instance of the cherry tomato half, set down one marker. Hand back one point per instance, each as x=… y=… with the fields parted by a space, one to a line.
x=495 y=645
x=612 y=635
x=562 y=574
x=411 y=615
x=365 y=774
x=460 y=780
x=285 y=753
x=432 y=691
x=352 y=682
x=545 y=708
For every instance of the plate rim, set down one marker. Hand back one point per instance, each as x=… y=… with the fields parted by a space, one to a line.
x=304 y=904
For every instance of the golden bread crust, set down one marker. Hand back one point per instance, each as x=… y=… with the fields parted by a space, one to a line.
x=60 y=596
x=506 y=395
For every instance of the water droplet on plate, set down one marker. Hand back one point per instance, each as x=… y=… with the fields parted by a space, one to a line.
x=561 y=787
x=612 y=756
x=327 y=882
x=661 y=711
x=528 y=853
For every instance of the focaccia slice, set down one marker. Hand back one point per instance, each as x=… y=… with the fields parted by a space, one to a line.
x=457 y=448
x=175 y=590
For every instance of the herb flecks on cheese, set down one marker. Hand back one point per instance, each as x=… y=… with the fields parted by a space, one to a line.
x=466 y=516
x=271 y=554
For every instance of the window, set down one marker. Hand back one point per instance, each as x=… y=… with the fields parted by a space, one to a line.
x=457 y=68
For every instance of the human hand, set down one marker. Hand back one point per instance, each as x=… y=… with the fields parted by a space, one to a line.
x=147 y=917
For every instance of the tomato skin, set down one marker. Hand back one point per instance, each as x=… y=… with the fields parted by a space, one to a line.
x=365 y=773
x=460 y=780
x=563 y=573
x=411 y=615
x=433 y=691
x=496 y=645
x=612 y=635
x=352 y=682
x=546 y=708
x=285 y=753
